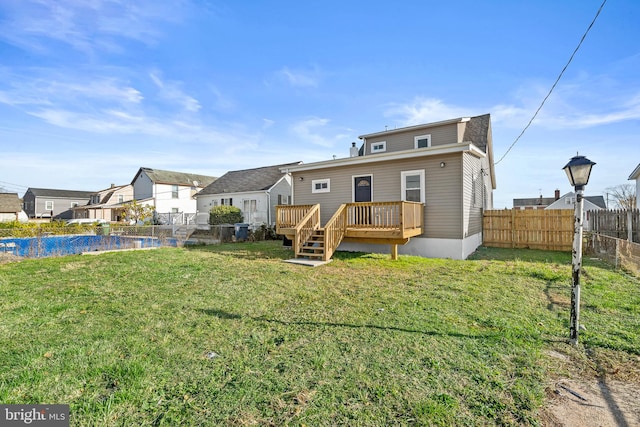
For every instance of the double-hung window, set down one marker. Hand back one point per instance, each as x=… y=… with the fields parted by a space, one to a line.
x=413 y=186
x=175 y=190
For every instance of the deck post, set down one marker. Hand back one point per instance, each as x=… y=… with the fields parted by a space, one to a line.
x=394 y=252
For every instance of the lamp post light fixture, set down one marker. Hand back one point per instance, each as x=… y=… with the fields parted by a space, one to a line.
x=578 y=171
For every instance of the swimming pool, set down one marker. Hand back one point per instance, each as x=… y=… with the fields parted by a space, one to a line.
x=38 y=247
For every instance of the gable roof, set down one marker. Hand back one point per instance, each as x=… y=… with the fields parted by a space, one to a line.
x=159 y=176
x=636 y=173
x=10 y=202
x=63 y=194
x=533 y=201
x=597 y=201
x=240 y=181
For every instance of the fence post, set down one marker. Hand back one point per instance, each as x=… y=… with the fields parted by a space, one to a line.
x=629 y=226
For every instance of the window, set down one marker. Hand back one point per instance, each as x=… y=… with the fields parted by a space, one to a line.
x=284 y=199
x=48 y=205
x=175 y=210
x=321 y=185
x=226 y=202
x=413 y=186
x=422 y=141
x=121 y=198
x=74 y=204
x=250 y=205
x=175 y=192
x=379 y=147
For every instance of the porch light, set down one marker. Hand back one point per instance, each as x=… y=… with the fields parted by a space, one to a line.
x=578 y=171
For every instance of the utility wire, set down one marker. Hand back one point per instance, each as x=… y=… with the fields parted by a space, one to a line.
x=554 y=84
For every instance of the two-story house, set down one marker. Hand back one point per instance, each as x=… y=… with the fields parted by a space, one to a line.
x=421 y=187
x=168 y=192
x=52 y=203
x=256 y=192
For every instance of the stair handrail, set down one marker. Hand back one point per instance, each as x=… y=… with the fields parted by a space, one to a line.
x=334 y=231
x=305 y=228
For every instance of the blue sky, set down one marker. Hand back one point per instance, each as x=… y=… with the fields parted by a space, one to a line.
x=91 y=90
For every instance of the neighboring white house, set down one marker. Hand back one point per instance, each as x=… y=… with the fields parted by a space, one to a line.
x=591 y=203
x=256 y=192
x=168 y=191
x=636 y=175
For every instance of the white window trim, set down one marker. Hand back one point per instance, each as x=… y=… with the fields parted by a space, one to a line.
x=403 y=181
x=48 y=205
x=353 y=185
x=321 y=181
x=380 y=150
x=419 y=137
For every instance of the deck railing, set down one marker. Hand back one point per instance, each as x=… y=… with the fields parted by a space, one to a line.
x=334 y=231
x=385 y=215
x=288 y=216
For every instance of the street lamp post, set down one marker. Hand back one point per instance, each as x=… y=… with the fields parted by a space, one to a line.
x=578 y=170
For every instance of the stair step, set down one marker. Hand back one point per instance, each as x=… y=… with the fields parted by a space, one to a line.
x=310 y=255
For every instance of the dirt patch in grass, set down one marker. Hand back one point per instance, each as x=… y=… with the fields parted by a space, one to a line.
x=5 y=258
x=599 y=390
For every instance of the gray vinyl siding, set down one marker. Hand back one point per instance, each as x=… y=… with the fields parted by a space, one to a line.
x=440 y=135
x=474 y=181
x=282 y=188
x=443 y=207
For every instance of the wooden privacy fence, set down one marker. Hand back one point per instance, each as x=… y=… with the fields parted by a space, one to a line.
x=618 y=223
x=532 y=229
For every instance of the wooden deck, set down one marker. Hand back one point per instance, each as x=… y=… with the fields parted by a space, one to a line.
x=392 y=223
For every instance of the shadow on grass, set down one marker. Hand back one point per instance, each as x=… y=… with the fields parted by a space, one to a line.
x=233 y=316
x=529 y=255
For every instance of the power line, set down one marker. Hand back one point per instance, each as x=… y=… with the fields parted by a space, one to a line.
x=554 y=84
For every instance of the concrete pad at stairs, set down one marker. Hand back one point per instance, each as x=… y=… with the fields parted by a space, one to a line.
x=307 y=262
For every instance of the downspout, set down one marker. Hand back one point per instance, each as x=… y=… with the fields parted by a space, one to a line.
x=268 y=193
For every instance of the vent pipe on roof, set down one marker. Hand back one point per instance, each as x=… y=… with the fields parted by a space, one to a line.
x=353 y=151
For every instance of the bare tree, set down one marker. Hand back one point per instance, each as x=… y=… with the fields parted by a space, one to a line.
x=624 y=195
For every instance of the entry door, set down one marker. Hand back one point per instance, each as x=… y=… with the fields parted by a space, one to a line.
x=362 y=188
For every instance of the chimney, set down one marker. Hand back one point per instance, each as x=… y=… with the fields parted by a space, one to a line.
x=113 y=186
x=557 y=195
x=353 y=151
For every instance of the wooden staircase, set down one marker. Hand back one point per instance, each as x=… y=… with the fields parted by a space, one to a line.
x=313 y=247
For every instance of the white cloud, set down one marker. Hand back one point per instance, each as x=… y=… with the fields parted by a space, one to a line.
x=314 y=130
x=171 y=91
x=299 y=78
x=425 y=110
x=86 y=26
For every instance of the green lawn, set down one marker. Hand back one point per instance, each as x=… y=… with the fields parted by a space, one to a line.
x=231 y=335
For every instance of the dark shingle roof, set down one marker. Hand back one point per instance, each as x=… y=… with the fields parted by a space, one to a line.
x=64 y=194
x=477 y=131
x=159 y=176
x=10 y=203
x=597 y=200
x=535 y=201
x=258 y=179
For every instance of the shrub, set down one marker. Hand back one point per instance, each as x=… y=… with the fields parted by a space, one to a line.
x=225 y=215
